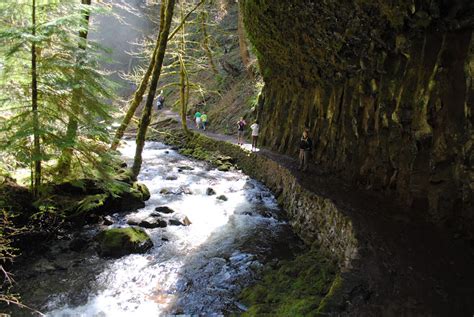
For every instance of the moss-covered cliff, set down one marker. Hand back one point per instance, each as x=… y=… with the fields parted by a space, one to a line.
x=385 y=88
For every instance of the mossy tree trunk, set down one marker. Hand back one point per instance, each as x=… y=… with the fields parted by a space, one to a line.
x=146 y=115
x=183 y=77
x=136 y=100
x=36 y=179
x=138 y=95
x=64 y=163
x=205 y=42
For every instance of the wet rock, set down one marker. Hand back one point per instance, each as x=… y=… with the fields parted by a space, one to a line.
x=165 y=239
x=185 y=190
x=78 y=244
x=186 y=221
x=152 y=222
x=43 y=266
x=133 y=222
x=165 y=191
x=185 y=168
x=142 y=189
x=210 y=191
x=171 y=177
x=167 y=152
x=224 y=167
x=175 y=222
x=164 y=210
x=222 y=197
x=249 y=185
x=107 y=220
x=179 y=220
x=118 y=242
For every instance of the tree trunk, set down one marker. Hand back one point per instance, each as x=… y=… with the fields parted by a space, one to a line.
x=205 y=42
x=34 y=109
x=138 y=95
x=183 y=85
x=64 y=163
x=244 y=52
x=146 y=115
x=137 y=99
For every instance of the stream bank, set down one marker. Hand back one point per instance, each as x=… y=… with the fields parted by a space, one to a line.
x=318 y=221
x=381 y=248
x=235 y=228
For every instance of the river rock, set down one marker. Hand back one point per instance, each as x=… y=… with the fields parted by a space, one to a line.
x=133 y=222
x=143 y=190
x=175 y=222
x=183 y=221
x=152 y=222
x=185 y=168
x=222 y=197
x=165 y=191
x=118 y=242
x=210 y=191
x=185 y=190
x=43 y=266
x=78 y=244
x=224 y=167
x=107 y=220
x=186 y=221
x=171 y=177
x=164 y=210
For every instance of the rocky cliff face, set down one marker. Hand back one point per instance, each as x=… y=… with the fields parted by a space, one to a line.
x=385 y=89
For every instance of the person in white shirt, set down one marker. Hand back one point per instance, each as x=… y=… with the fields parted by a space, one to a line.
x=255 y=127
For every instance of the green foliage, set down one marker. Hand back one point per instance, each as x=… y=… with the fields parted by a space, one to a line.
x=295 y=288
x=70 y=85
x=91 y=202
x=7 y=254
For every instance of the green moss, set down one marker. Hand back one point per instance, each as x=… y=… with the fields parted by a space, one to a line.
x=331 y=297
x=295 y=288
x=121 y=241
x=143 y=190
x=91 y=202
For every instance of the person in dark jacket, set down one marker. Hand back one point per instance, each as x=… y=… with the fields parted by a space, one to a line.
x=306 y=146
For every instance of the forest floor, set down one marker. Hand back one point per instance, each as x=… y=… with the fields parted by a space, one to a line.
x=406 y=266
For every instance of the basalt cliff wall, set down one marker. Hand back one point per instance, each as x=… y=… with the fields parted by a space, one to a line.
x=385 y=89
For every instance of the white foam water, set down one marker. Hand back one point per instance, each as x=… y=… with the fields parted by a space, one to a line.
x=197 y=269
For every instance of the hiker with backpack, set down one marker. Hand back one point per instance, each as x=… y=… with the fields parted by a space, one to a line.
x=203 y=120
x=240 y=131
x=160 y=103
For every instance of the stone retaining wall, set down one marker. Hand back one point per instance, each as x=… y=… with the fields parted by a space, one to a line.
x=314 y=218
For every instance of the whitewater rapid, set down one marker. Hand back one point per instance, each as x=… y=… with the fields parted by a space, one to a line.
x=198 y=269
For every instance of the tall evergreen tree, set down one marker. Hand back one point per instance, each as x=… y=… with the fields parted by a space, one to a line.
x=40 y=57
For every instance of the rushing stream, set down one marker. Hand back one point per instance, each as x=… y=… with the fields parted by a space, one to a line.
x=195 y=269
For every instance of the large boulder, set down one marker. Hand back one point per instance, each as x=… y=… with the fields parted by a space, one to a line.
x=142 y=189
x=118 y=242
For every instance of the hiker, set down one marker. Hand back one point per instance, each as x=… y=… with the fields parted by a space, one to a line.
x=160 y=103
x=306 y=145
x=255 y=127
x=203 y=120
x=240 y=132
x=197 y=118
